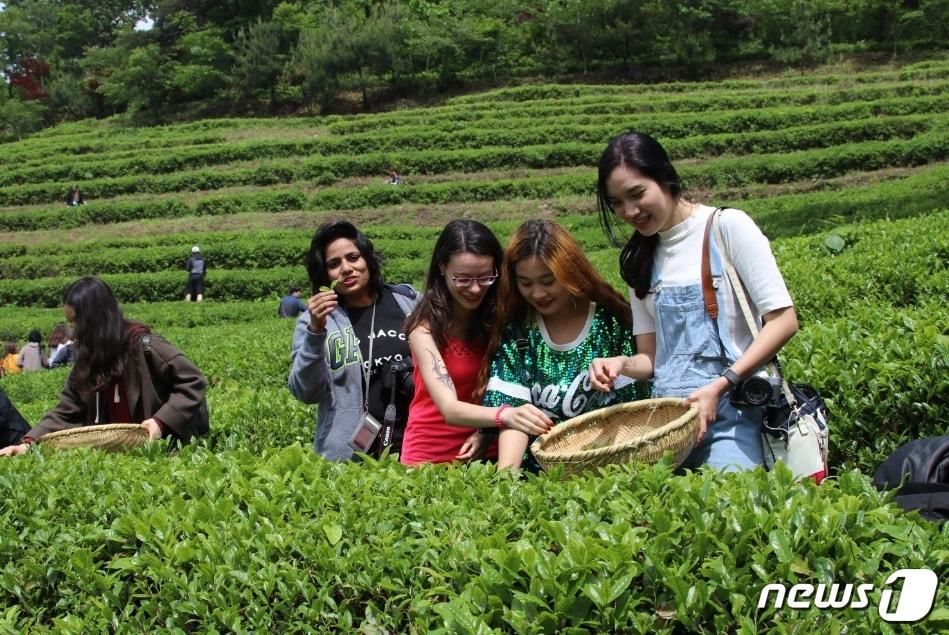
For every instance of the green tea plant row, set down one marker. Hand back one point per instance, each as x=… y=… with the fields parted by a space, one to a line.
x=884 y=371
x=494 y=129
x=682 y=124
x=778 y=216
x=918 y=270
x=685 y=124
x=531 y=92
x=771 y=168
x=915 y=194
x=645 y=105
x=787 y=138
x=899 y=263
x=781 y=215
x=158 y=286
x=67 y=149
x=765 y=168
x=92 y=136
x=115 y=211
x=83 y=137
x=287 y=542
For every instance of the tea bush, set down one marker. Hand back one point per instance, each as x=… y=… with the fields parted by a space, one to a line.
x=281 y=542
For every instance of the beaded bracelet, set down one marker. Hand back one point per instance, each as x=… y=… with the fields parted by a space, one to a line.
x=497 y=415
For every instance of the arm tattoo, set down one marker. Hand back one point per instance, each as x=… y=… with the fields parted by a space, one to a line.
x=441 y=372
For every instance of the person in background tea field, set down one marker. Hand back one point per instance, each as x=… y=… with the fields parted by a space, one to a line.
x=291 y=305
x=74 y=197
x=196 y=268
x=9 y=364
x=689 y=353
x=61 y=350
x=448 y=335
x=555 y=315
x=32 y=356
x=348 y=341
x=114 y=380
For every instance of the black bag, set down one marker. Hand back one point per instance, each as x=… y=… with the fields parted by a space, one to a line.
x=12 y=424
x=199 y=425
x=924 y=464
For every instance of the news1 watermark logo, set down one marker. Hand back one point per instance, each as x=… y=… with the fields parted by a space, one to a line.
x=917 y=594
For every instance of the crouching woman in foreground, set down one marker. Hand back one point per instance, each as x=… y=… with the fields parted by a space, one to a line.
x=114 y=379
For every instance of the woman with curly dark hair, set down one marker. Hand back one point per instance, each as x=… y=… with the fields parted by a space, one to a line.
x=349 y=354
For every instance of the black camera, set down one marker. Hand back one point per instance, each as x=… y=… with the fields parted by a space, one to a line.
x=758 y=390
x=398 y=375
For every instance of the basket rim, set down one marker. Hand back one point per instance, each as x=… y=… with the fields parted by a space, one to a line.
x=578 y=456
x=105 y=427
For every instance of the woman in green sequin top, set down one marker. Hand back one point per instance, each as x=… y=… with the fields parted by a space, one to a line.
x=564 y=314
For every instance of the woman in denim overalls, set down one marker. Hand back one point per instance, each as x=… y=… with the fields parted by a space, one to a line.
x=690 y=354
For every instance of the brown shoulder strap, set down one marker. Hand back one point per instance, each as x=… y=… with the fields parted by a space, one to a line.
x=708 y=290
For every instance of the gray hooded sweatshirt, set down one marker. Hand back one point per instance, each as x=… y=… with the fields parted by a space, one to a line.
x=338 y=394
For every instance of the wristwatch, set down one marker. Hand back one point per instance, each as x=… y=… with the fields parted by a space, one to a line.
x=731 y=376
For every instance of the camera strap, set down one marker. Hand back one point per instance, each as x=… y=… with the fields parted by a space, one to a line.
x=774 y=367
x=368 y=370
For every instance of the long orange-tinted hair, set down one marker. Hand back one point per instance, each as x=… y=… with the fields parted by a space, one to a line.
x=557 y=249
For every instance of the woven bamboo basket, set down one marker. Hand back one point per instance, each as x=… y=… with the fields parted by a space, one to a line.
x=113 y=437
x=637 y=431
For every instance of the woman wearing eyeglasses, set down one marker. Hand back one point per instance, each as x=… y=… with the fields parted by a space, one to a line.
x=448 y=332
x=555 y=315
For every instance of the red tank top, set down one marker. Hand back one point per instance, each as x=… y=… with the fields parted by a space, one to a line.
x=428 y=438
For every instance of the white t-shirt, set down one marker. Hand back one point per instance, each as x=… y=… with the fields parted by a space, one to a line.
x=679 y=262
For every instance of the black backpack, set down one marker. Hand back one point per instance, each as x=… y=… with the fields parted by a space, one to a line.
x=12 y=424
x=199 y=425
x=924 y=463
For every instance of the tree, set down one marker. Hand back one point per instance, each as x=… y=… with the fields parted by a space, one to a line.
x=312 y=67
x=140 y=83
x=18 y=118
x=795 y=31
x=204 y=61
x=261 y=58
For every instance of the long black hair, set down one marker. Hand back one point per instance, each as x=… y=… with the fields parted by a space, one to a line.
x=644 y=154
x=462 y=236
x=326 y=234
x=101 y=334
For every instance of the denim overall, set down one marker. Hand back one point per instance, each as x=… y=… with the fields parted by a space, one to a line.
x=691 y=353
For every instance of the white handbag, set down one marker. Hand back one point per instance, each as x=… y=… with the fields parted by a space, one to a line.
x=798 y=435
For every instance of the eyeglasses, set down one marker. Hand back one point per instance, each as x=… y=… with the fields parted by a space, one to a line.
x=463 y=282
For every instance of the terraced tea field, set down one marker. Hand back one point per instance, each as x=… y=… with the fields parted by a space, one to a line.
x=250 y=531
